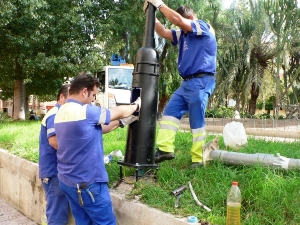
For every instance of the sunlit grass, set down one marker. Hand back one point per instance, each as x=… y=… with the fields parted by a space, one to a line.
x=270 y=196
x=21 y=138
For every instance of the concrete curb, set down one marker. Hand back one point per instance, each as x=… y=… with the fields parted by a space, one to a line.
x=20 y=185
x=134 y=212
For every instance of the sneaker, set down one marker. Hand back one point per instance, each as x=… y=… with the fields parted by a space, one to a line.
x=161 y=156
x=196 y=165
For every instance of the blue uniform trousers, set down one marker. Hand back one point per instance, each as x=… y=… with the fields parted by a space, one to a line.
x=57 y=208
x=192 y=97
x=99 y=212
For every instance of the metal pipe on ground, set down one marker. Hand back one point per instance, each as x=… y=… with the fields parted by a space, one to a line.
x=236 y=158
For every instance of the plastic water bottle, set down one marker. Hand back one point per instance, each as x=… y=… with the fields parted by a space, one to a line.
x=234 y=200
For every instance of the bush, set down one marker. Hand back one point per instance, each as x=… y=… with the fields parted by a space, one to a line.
x=259 y=105
x=221 y=112
x=4 y=117
x=268 y=104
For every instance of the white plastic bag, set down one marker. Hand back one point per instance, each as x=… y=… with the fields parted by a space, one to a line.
x=234 y=135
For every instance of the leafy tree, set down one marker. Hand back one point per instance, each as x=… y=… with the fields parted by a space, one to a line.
x=48 y=40
x=261 y=53
x=234 y=58
x=283 y=19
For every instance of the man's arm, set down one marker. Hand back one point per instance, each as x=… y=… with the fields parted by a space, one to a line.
x=119 y=123
x=123 y=111
x=176 y=19
x=122 y=115
x=53 y=141
x=162 y=31
x=110 y=127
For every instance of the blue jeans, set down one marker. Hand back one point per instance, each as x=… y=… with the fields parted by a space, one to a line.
x=57 y=208
x=99 y=212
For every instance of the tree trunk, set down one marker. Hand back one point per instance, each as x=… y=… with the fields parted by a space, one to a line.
x=238 y=102
x=254 y=95
x=19 y=100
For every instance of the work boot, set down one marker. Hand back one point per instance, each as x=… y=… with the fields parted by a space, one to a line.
x=196 y=165
x=161 y=156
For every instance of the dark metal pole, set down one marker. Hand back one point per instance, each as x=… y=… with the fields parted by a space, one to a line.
x=141 y=134
x=148 y=40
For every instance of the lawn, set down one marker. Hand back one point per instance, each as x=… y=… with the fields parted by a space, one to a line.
x=269 y=195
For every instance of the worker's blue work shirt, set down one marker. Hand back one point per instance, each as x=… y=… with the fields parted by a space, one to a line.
x=80 y=146
x=197 y=49
x=47 y=154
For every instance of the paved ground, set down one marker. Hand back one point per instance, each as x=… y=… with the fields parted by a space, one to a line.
x=11 y=216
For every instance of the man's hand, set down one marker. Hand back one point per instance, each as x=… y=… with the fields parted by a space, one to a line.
x=156 y=3
x=138 y=102
x=128 y=120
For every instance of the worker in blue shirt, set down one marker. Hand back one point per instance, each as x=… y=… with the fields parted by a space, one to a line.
x=196 y=65
x=57 y=207
x=81 y=169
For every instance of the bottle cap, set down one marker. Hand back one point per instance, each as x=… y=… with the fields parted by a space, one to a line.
x=235 y=183
x=192 y=219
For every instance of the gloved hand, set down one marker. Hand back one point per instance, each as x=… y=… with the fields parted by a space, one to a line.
x=139 y=103
x=128 y=120
x=155 y=3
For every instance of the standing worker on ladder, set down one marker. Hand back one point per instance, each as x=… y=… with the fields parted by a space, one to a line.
x=197 y=66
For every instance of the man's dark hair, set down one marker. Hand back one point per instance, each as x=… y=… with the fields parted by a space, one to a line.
x=63 y=90
x=81 y=81
x=185 y=11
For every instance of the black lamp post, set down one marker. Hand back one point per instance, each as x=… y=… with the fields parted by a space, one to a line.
x=141 y=134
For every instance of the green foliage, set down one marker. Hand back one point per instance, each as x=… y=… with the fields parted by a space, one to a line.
x=44 y=41
x=259 y=105
x=246 y=115
x=268 y=104
x=4 y=117
x=46 y=89
x=220 y=112
x=296 y=92
x=284 y=18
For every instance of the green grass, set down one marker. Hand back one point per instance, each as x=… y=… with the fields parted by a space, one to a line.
x=21 y=138
x=270 y=196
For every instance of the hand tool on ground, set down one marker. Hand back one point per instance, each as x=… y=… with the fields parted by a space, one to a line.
x=177 y=192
